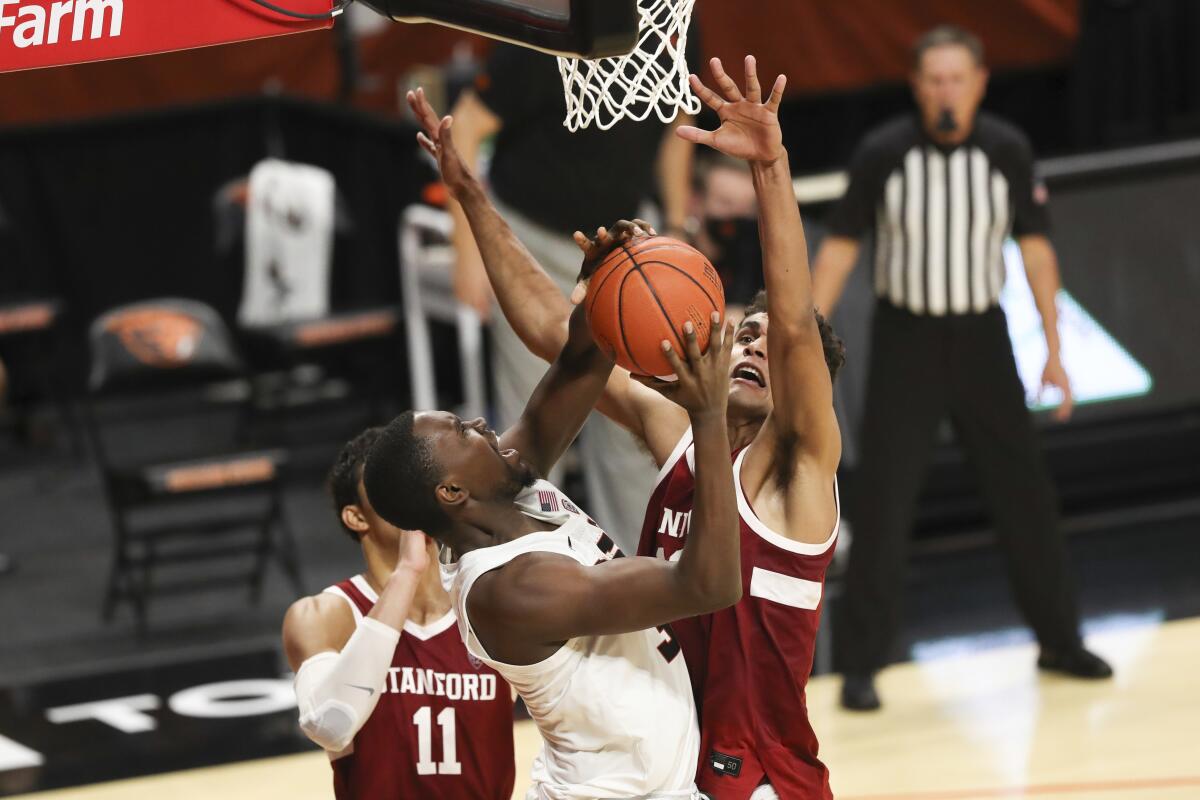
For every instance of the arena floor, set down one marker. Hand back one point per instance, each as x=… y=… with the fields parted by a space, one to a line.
x=959 y=723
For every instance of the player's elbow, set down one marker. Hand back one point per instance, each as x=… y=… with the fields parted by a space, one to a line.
x=838 y=254
x=331 y=727
x=473 y=123
x=794 y=330
x=716 y=593
x=723 y=598
x=541 y=345
x=549 y=338
x=731 y=592
x=726 y=597
x=329 y=744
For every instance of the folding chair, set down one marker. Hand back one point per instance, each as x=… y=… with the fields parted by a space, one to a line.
x=164 y=379
x=30 y=340
x=287 y=216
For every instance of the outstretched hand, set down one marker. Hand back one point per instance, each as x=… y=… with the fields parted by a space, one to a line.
x=749 y=126
x=436 y=140
x=597 y=249
x=701 y=382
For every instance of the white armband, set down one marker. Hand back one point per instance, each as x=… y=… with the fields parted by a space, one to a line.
x=337 y=692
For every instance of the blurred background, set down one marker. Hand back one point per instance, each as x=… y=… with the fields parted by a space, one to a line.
x=126 y=188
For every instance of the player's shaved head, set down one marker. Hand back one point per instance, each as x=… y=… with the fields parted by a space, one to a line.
x=432 y=470
x=401 y=476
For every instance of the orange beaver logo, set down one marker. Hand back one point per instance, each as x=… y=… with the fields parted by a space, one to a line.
x=157 y=337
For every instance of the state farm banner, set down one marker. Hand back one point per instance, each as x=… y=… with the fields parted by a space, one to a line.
x=48 y=33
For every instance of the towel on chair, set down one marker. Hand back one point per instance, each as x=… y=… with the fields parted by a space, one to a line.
x=289 y=243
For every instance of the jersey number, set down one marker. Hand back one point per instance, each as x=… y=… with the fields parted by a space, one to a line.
x=668 y=647
x=425 y=764
x=608 y=547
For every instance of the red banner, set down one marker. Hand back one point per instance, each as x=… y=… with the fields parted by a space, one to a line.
x=826 y=46
x=48 y=33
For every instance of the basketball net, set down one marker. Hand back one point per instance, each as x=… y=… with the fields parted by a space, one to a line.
x=653 y=77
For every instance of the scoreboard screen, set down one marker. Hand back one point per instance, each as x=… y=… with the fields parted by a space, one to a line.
x=1129 y=314
x=1099 y=367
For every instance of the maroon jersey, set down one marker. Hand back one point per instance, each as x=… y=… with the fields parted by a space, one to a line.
x=443 y=728
x=750 y=663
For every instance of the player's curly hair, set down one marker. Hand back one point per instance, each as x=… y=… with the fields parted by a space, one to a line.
x=342 y=481
x=835 y=348
x=400 y=477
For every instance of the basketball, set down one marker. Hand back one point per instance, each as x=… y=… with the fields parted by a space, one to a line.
x=643 y=293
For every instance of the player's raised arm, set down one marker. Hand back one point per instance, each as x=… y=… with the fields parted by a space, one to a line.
x=529 y=298
x=542 y=597
x=562 y=400
x=801 y=388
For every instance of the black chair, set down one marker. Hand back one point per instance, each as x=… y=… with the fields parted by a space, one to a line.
x=351 y=354
x=314 y=363
x=30 y=346
x=165 y=385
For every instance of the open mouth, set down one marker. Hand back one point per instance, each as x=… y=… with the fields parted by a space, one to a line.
x=750 y=374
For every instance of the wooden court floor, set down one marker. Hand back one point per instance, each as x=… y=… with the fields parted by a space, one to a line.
x=959 y=727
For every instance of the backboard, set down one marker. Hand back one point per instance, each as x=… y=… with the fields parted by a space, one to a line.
x=575 y=28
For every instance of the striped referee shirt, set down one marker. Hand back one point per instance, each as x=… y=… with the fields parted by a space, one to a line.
x=940 y=215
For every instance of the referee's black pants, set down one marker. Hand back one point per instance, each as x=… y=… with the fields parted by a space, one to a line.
x=921 y=369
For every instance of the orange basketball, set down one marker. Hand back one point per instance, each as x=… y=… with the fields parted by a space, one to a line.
x=643 y=293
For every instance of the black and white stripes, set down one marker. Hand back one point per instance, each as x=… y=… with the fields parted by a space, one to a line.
x=940 y=225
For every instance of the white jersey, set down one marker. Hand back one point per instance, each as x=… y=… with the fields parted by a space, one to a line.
x=615 y=712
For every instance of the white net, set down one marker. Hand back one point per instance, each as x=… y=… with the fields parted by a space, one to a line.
x=652 y=78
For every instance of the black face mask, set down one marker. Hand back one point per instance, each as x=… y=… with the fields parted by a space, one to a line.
x=946 y=122
x=739 y=260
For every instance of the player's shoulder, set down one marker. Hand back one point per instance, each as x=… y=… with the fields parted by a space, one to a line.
x=318 y=610
x=519 y=587
x=315 y=623
x=529 y=572
x=790 y=490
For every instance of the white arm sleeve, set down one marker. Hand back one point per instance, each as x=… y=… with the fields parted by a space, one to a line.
x=337 y=692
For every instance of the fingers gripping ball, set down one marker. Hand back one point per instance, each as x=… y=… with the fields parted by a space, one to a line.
x=643 y=293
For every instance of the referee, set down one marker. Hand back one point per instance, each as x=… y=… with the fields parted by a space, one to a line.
x=941 y=190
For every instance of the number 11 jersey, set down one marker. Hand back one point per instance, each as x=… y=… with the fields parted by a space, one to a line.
x=443 y=728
